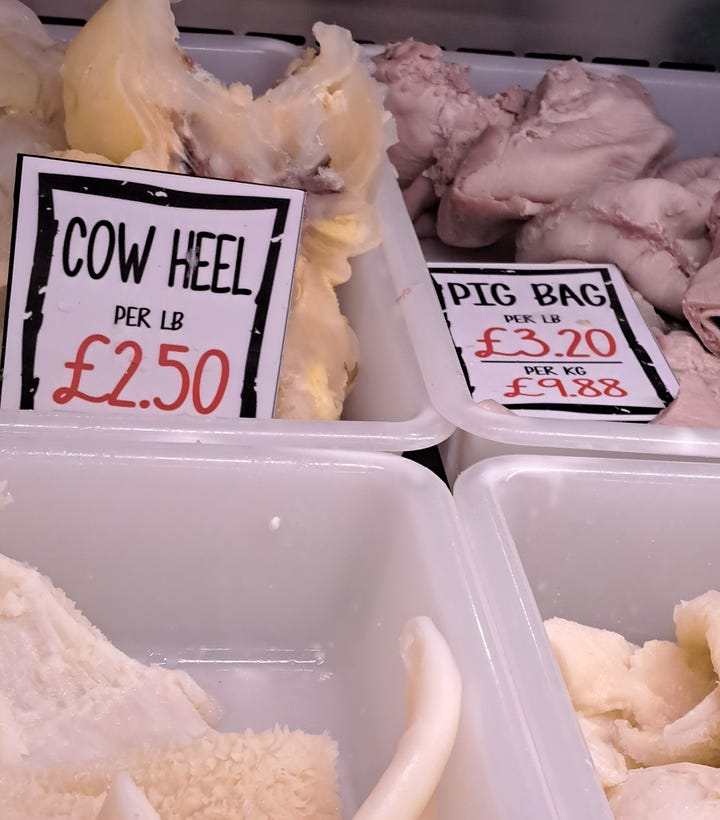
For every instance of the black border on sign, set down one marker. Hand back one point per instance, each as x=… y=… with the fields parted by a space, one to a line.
x=47 y=227
x=639 y=351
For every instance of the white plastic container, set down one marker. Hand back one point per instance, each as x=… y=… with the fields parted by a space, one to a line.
x=281 y=580
x=610 y=543
x=388 y=409
x=682 y=99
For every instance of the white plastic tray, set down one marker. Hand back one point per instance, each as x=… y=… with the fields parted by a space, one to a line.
x=609 y=543
x=682 y=98
x=172 y=554
x=389 y=408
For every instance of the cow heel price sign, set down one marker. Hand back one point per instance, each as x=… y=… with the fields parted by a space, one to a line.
x=554 y=340
x=140 y=292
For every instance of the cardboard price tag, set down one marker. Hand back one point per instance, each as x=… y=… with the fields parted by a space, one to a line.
x=146 y=292
x=554 y=340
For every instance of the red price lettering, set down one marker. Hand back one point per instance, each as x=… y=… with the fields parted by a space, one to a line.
x=164 y=360
x=589 y=337
x=612 y=388
x=556 y=383
x=517 y=387
x=64 y=394
x=489 y=342
x=190 y=383
x=222 y=384
x=114 y=398
x=526 y=334
x=586 y=388
x=598 y=342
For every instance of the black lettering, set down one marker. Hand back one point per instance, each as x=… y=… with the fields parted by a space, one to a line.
x=458 y=292
x=519 y=318
x=481 y=295
x=596 y=300
x=175 y=323
x=143 y=312
x=75 y=222
x=588 y=294
x=181 y=262
x=236 y=289
x=505 y=300
x=132 y=316
x=93 y=271
x=199 y=262
x=540 y=370
x=543 y=293
x=496 y=297
x=218 y=265
x=129 y=261
x=567 y=294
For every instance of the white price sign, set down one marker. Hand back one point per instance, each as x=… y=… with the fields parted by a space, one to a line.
x=146 y=292
x=554 y=340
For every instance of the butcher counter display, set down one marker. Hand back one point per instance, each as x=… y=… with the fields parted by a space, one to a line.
x=579 y=169
x=113 y=100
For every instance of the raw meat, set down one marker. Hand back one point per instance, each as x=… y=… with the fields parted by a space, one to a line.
x=652 y=706
x=31 y=109
x=405 y=790
x=438 y=115
x=652 y=229
x=248 y=776
x=576 y=128
x=132 y=97
x=595 y=665
x=700 y=175
x=600 y=734
x=86 y=732
x=569 y=159
x=693 y=738
x=701 y=303
x=30 y=82
x=694 y=406
x=20 y=133
x=698 y=372
x=67 y=695
x=682 y=791
x=666 y=683
x=125 y=801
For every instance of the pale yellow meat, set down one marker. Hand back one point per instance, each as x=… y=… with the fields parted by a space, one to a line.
x=320 y=356
x=694 y=737
x=30 y=63
x=682 y=791
x=697 y=627
x=406 y=789
x=652 y=706
x=601 y=736
x=67 y=695
x=595 y=664
x=31 y=105
x=665 y=685
x=249 y=776
x=132 y=96
x=125 y=801
x=687 y=727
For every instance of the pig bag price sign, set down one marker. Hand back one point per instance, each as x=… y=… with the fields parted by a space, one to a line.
x=146 y=292
x=554 y=340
